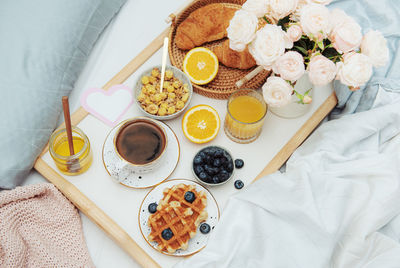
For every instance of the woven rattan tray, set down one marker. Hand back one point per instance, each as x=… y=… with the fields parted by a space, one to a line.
x=224 y=83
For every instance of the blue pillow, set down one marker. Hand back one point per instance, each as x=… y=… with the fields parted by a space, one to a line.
x=44 y=45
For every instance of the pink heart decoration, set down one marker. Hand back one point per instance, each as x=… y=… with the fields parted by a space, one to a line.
x=108 y=105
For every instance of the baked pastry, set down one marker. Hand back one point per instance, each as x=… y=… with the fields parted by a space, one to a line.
x=203 y=25
x=232 y=58
x=177 y=218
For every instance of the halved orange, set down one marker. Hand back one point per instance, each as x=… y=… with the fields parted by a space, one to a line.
x=200 y=124
x=201 y=65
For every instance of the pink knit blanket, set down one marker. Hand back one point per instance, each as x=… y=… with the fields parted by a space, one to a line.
x=39 y=227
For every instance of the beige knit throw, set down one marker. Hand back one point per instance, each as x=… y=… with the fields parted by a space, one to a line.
x=39 y=227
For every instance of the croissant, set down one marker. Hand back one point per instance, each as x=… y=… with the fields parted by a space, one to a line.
x=203 y=25
x=232 y=58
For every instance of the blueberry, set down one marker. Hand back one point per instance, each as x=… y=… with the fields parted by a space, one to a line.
x=212 y=151
x=239 y=163
x=214 y=170
x=209 y=160
x=205 y=228
x=219 y=152
x=223 y=160
x=229 y=167
x=152 y=208
x=198 y=169
x=239 y=184
x=217 y=162
x=167 y=234
x=207 y=151
x=207 y=169
x=197 y=160
x=203 y=176
x=202 y=155
x=215 y=180
x=223 y=175
x=189 y=196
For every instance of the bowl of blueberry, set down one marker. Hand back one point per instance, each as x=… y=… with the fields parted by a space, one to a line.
x=213 y=165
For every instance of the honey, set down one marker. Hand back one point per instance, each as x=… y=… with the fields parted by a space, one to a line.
x=59 y=150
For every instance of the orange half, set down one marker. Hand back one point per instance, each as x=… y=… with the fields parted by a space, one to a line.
x=201 y=124
x=201 y=65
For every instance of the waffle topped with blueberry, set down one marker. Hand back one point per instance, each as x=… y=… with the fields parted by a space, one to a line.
x=177 y=217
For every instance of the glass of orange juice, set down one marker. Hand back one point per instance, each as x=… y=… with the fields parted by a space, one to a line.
x=245 y=115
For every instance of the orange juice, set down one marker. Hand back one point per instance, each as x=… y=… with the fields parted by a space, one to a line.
x=245 y=116
x=246 y=109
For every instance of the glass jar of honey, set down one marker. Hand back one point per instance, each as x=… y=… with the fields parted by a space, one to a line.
x=68 y=164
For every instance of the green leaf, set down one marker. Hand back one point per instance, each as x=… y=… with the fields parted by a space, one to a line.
x=298 y=95
x=321 y=45
x=307 y=92
x=301 y=49
x=302 y=44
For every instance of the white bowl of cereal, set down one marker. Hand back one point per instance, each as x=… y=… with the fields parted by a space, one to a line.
x=172 y=101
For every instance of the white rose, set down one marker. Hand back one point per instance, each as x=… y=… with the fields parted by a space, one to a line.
x=355 y=70
x=281 y=8
x=290 y=66
x=346 y=34
x=270 y=43
x=294 y=32
x=277 y=92
x=315 y=21
x=374 y=46
x=296 y=14
x=321 y=70
x=257 y=7
x=241 y=30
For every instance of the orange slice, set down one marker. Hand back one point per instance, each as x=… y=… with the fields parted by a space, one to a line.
x=201 y=124
x=201 y=65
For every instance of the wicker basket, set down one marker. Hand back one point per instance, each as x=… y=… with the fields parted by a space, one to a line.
x=224 y=83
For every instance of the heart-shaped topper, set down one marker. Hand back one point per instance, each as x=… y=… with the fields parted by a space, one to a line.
x=108 y=105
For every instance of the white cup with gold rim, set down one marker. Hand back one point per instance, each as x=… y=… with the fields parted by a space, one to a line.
x=135 y=144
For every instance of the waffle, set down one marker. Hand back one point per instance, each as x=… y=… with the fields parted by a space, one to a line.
x=182 y=217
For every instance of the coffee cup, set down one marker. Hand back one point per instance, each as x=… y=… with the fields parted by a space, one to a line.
x=140 y=143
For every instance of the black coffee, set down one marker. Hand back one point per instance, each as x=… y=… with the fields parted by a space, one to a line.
x=140 y=142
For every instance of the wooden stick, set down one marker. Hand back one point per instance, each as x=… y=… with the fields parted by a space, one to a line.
x=95 y=214
x=283 y=155
x=249 y=76
x=68 y=127
x=164 y=62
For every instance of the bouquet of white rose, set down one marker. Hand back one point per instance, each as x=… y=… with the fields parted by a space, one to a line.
x=305 y=36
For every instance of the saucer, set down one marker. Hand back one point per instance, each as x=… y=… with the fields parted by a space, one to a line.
x=133 y=179
x=196 y=243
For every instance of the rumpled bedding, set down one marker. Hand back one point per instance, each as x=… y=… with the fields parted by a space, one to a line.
x=338 y=202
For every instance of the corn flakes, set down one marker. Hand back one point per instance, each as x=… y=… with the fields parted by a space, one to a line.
x=173 y=97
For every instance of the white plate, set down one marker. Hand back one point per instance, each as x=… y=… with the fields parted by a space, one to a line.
x=136 y=180
x=196 y=243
